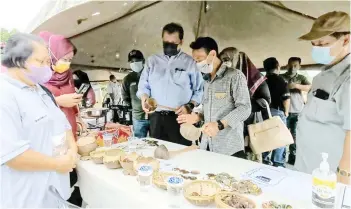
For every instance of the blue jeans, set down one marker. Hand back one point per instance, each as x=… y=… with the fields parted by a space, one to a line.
x=141 y=128
x=278 y=155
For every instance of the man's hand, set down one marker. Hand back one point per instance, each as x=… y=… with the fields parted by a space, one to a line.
x=144 y=104
x=211 y=129
x=182 y=110
x=286 y=113
x=69 y=100
x=188 y=118
x=66 y=163
x=292 y=85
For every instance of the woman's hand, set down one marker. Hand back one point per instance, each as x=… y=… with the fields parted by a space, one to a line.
x=69 y=100
x=66 y=163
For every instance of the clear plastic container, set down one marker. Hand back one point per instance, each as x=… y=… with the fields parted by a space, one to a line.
x=174 y=189
x=108 y=137
x=145 y=177
x=132 y=144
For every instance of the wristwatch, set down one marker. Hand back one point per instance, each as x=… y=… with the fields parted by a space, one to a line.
x=220 y=125
x=343 y=172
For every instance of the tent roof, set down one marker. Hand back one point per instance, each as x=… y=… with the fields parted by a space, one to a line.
x=261 y=29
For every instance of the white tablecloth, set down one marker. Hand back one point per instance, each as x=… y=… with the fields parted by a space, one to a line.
x=105 y=188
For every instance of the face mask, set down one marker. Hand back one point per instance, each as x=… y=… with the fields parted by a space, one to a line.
x=61 y=66
x=170 y=49
x=39 y=75
x=322 y=55
x=204 y=67
x=137 y=66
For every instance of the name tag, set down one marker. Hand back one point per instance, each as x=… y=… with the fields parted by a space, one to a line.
x=220 y=95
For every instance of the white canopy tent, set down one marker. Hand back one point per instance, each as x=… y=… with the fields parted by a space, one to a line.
x=103 y=29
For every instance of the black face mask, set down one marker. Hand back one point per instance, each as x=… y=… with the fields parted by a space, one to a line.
x=170 y=49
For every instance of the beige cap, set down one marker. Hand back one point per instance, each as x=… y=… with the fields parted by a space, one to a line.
x=328 y=24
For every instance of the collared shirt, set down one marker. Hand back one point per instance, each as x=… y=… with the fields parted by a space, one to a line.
x=171 y=81
x=129 y=90
x=115 y=89
x=279 y=91
x=226 y=97
x=323 y=123
x=296 y=99
x=29 y=120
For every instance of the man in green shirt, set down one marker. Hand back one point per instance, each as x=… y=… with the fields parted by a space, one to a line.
x=297 y=83
x=130 y=83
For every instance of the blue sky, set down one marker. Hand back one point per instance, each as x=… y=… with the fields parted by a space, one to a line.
x=18 y=13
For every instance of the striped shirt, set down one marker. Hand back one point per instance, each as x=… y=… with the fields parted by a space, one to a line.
x=226 y=97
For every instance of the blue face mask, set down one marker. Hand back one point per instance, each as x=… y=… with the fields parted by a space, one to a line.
x=321 y=54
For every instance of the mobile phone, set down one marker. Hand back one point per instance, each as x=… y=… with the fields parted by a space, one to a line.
x=321 y=94
x=83 y=88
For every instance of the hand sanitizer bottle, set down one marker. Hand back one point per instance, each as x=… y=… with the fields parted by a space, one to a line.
x=323 y=185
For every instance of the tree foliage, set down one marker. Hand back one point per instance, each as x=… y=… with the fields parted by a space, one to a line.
x=6 y=34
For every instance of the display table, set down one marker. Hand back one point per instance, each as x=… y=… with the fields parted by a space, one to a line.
x=105 y=188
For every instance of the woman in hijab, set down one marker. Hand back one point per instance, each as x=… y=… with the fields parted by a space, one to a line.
x=79 y=78
x=257 y=85
x=61 y=85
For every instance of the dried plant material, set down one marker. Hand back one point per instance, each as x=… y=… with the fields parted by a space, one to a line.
x=184 y=171
x=246 y=187
x=211 y=176
x=236 y=201
x=161 y=152
x=273 y=204
x=225 y=180
x=176 y=169
x=195 y=194
x=195 y=172
x=192 y=178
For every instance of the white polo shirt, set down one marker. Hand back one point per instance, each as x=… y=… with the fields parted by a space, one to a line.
x=28 y=120
x=323 y=124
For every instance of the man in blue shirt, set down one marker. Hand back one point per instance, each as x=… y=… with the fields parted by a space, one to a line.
x=172 y=79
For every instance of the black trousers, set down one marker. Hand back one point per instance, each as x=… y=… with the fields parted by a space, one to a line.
x=76 y=198
x=164 y=126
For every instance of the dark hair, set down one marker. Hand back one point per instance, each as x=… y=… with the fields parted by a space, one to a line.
x=112 y=77
x=206 y=43
x=338 y=35
x=270 y=64
x=174 y=28
x=294 y=59
x=18 y=49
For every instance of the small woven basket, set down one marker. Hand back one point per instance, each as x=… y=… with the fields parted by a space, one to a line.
x=201 y=193
x=112 y=158
x=97 y=156
x=159 y=179
x=220 y=204
x=86 y=145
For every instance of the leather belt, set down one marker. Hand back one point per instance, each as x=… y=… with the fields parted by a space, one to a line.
x=166 y=113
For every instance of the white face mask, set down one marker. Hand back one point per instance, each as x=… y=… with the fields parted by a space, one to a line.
x=137 y=66
x=204 y=67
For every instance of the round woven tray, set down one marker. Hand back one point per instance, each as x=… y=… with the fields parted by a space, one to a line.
x=201 y=193
x=220 y=204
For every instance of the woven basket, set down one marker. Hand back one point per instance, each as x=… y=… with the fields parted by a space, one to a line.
x=159 y=179
x=128 y=167
x=221 y=204
x=201 y=193
x=86 y=145
x=97 y=157
x=112 y=158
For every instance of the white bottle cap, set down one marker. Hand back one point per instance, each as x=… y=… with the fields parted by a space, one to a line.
x=324 y=166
